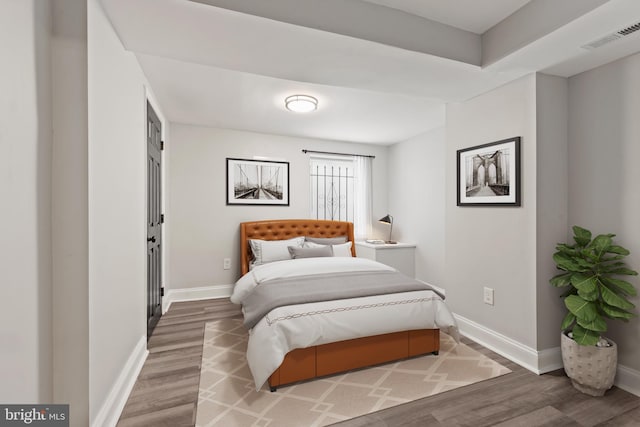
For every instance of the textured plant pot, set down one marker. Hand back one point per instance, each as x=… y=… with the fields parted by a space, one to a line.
x=591 y=369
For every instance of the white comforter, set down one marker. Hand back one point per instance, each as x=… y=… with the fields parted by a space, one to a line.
x=304 y=325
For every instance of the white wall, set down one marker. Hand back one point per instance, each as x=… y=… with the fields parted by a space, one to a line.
x=117 y=206
x=65 y=112
x=202 y=229
x=417 y=200
x=552 y=192
x=494 y=246
x=69 y=209
x=508 y=249
x=25 y=194
x=604 y=148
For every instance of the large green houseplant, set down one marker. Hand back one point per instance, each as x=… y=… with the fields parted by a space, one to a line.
x=591 y=271
x=591 y=268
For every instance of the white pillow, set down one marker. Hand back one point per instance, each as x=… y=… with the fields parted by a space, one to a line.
x=265 y=251
x=341 y=250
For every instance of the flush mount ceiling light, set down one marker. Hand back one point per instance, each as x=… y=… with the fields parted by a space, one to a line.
x=301 y=103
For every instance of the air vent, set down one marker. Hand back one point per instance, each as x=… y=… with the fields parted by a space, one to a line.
x=629 y=30
x=612 y=37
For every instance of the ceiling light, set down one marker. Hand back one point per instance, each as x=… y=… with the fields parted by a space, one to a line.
x=301 y=103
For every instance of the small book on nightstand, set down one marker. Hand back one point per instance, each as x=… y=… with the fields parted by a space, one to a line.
x=375 y=241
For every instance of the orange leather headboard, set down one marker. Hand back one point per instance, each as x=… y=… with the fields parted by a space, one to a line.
x=282 y=229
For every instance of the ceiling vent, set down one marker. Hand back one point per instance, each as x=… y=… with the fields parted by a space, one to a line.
x=612 y=37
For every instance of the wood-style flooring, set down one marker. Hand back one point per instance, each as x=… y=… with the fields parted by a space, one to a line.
x=166 y=392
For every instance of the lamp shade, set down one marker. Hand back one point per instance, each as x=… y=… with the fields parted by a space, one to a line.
x=388 y=219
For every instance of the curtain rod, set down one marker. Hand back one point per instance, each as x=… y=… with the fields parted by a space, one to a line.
x=338 y=154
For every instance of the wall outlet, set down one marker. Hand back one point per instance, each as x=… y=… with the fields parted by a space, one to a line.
x=488 y=296
x=226 y=264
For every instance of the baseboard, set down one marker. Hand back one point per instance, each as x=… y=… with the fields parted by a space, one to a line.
x=539 y=362
x=535 y=361
x=195 y=294
x=116 y=399
x=550 y=359
x=628 y=380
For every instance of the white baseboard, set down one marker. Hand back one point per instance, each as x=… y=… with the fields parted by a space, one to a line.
x=116 y=399
x=628 y=379
x=195 y=294
x=535 y=361
x=539 y=362
x=550 y=359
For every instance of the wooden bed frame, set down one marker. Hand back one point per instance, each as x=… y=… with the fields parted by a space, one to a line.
x=312 y=362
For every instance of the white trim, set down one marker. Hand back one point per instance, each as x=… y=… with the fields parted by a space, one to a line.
x=550 y=359
x=195 y=294
x=539 y=362
x=628 y=379
x=116 y=399
x=535 y=361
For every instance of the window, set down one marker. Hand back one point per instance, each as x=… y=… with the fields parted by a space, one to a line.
x=332 y=188
x=341 y=190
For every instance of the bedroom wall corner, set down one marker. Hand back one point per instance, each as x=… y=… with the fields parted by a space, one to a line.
x=417 y=200
x=69 y=216
x=552 y=193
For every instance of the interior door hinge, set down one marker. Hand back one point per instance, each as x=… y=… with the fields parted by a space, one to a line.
x=161 y=145
x=161 y=218
x=162 y=291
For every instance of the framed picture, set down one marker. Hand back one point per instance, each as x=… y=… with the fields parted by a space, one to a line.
x=257 y=182
x=489 y=174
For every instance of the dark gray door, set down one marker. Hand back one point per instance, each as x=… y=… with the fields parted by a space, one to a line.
x=154 y=220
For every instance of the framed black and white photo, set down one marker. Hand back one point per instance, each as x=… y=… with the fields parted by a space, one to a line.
x=257 y=182
x=489 y=174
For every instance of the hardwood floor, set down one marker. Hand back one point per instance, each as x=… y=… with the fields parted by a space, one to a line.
x=166 y=391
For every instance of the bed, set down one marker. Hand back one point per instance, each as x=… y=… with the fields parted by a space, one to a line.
x=303 y=341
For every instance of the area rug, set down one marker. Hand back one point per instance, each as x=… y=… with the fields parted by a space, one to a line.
x=227 y=395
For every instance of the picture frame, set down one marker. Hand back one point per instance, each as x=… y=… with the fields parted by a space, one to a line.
x=489 y=174
x=257 y=182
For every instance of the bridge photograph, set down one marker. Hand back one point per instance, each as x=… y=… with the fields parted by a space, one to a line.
x=252 y=182
x=489 y=174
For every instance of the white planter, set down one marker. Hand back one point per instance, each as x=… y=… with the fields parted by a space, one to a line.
x=591 y=369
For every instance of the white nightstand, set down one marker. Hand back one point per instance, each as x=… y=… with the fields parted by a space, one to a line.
x=400 y=256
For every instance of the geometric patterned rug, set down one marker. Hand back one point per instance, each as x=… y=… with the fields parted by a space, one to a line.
x=227 y=396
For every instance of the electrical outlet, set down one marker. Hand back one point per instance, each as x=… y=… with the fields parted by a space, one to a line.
x=226 y=264
x=488 y=296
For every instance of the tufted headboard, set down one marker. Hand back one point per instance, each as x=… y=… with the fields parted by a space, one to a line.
x=281 y=229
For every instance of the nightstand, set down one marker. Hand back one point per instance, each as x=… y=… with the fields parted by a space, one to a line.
x=400 y=256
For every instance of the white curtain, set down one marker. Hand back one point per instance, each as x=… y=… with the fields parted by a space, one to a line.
x=362 y=197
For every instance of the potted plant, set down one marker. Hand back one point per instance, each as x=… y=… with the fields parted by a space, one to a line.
x=591 y=271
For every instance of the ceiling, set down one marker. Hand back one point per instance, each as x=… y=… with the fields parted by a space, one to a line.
x=464 y=14
x=382 y=70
